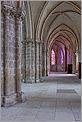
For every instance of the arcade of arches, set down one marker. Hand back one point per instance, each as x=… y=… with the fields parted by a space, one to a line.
x=37 y=38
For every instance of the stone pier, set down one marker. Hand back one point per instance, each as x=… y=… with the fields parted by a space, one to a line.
x=37 y=61
x=41 y=58
x=11 y=54
x=30 y=61
x=73 y=63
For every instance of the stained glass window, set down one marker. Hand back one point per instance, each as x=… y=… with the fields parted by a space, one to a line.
x=52 y=57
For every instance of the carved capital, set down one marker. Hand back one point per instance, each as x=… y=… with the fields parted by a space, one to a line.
x=8 y=11
x=12 y=11
x=20 y=14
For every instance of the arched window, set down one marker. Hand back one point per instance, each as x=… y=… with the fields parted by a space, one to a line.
x=52 y=57
x=61 y=57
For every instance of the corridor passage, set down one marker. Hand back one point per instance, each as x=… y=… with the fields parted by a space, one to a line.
x=55 y=99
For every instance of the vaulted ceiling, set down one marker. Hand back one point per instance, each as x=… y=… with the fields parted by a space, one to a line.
x=57 y=20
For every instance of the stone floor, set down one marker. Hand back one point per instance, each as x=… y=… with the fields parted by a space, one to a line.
x=55 y=99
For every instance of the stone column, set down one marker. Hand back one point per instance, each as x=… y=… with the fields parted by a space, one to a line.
x=68 y=57
x=1 y=59
x=45 y=61
x=69 y=63
x=79 y=56
x=41 y=58
x=73 y=63
x=30 y=61
x=37 y=61
x=79 y=64
x=9 y=93
x=65 y=59
x=47 y=66
x=18 y=53
x=33 y=61
x=19 y=17
x=12 y=53
x=23 y=61
x=23 y=51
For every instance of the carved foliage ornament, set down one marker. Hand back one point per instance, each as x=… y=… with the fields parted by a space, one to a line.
x=20 y=14
x=8 y=11
x=13 y=12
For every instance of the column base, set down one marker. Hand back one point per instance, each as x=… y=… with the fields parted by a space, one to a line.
x=41 y=80
x=30 y=81
x=9 y=100
x=37 y=80
x=12 y=99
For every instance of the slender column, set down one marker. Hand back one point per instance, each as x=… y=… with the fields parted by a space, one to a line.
x=48 y=66
x=23 y=58
x=46 y=62
x=68 y=57
x=23 y=61
x=69 y=62
x=74 y=63
x=45 y=56
x=30 y=61
x=79 y=64
x=1 y=61
x=19 y=16
x=18 y=53
x=37 y=61
x=79 y=59
x=33 y=62
x=79 y=56
x=65 y=59
x=41 y=58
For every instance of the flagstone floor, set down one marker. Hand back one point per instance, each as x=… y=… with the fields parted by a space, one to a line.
x=55 y=99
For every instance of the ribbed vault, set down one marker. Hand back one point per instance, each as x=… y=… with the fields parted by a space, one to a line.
x=55 y=23
x=59 y=18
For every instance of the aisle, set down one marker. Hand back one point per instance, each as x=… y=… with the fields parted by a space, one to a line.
x=54 y=99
